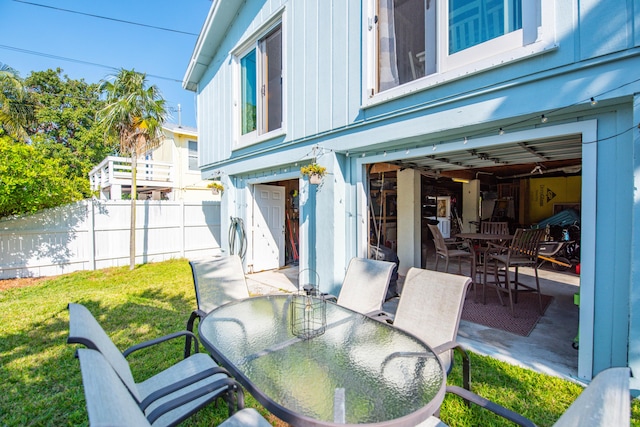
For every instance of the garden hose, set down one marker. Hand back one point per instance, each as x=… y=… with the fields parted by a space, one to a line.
x=237 y=237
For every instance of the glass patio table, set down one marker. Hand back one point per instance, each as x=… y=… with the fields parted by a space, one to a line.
x=359 y=371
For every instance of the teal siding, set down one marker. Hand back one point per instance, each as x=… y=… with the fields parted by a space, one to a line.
x=596 y=54
x=634 y=285
x=613 y=250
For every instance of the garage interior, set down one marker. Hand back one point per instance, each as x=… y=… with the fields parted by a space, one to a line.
x=524 y=184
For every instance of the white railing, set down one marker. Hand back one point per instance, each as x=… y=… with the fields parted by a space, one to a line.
x=117 y=171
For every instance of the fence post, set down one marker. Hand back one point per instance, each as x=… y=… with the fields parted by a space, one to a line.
x=182 y=229
x=91 y=234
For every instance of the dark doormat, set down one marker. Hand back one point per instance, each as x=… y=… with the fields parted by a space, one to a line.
x=497 y=316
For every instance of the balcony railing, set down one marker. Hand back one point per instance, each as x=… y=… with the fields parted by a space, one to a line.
x=117 y=171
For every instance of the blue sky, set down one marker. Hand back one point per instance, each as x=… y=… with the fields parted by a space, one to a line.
x=36 y=38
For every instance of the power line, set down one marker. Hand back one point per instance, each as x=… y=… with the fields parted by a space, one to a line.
x=106 y=18
x=79 y=61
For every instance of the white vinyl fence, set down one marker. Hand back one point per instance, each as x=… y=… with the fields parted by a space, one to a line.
x=94 y=234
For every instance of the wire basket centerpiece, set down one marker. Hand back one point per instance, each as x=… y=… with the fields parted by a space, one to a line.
x=308 y=310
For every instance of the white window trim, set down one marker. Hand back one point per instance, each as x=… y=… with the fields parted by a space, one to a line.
x=242 y=48
x=521 y=44
x=197 y=157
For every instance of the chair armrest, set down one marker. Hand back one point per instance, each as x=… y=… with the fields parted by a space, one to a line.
x=185 y=382
x=491 y=406
x=466 y=362
x=155 y=341
x=496 y=246
x=449 y=345
x=381 y=315
x=329 y=297
x=227 y=384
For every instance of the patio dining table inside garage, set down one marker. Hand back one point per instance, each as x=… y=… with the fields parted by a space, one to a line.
x=359 y=371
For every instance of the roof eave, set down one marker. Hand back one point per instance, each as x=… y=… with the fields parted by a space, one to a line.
x=220 y=17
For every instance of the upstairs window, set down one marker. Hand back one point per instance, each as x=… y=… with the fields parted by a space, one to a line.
x=472 y=22
x=261 y=92
x=418 y=38
x=193 y=155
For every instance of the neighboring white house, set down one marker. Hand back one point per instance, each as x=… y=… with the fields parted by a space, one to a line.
x=169 y=172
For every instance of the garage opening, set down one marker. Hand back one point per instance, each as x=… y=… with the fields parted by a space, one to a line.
x=526 y=184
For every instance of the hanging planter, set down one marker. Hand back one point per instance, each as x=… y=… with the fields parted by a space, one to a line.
x=314 y=172
x=216 y=187
x=315 y=179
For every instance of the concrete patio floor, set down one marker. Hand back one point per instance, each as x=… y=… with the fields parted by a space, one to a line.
x=548 y=349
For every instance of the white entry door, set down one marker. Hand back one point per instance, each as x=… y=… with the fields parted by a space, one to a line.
x=268 y=227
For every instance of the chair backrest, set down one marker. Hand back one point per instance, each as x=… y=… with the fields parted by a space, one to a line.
x=430 y=306
x=218 y=281
x=525 y=243
x=365 y=284
x=438 y=239
x=84 y=329
x=109 y=403
x=489 y=227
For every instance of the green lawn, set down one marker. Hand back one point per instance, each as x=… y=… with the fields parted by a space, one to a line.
x=40 y=381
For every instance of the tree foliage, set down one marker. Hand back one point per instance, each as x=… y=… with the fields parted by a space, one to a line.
x=30 y=181
x=51 y=140
x=16 y=106
x=66 y=127
x=134 y=113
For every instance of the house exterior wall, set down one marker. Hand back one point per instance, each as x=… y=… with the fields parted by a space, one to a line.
x=188 y=183
x=590 y=49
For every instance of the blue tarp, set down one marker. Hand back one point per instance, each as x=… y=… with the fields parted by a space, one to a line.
x=562 y=219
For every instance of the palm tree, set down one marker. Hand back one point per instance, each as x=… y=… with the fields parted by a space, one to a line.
x=134 y=114
x=16 y=108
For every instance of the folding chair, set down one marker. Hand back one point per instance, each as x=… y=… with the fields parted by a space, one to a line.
x=365 y=284
x=216 y=281
x=430 y=307
x=444 y=251
x=170 y=396
x=109 y=403
x=521 y=252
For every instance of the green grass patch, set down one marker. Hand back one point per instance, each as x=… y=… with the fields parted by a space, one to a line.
x=40 y=382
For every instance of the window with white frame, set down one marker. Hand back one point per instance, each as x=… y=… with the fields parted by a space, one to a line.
x=261 y=93
x=418 y=38
x=193 y=155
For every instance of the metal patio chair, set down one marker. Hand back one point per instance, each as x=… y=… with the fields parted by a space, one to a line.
x=365 y=284
x=605 y=402
x=521 y=252
x=493 y=227
x=109 y=403
x=443 y=250
x=430 y=307
x=217 y=281
x=480 y=267
x=171 y=395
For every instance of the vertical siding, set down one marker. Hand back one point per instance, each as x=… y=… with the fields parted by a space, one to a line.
x=610 y=21
x=613 y=247
x=634 y=315
x=322 y=72
x=325 y=34
x=295 y=73
x=309 y=62
x=339 y=65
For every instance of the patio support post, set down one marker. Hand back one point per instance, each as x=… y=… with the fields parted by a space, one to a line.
x=634 y=292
